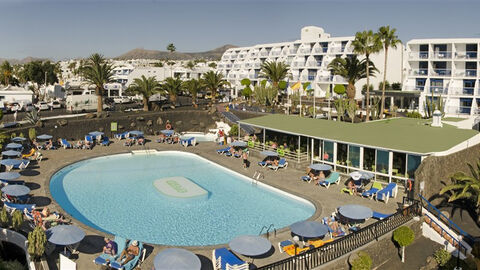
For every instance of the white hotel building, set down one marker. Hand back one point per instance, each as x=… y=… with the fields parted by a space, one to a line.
x=308 y=59
x=447 y=67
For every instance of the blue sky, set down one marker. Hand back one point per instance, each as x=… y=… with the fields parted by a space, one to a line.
x=76 y=28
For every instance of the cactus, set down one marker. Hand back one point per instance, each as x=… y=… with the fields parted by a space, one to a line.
x=340 y=105
x=37 y=241
x=351 y=109
x=375 y=108
x=32 y=133
x=4 y=218
x=17 y=220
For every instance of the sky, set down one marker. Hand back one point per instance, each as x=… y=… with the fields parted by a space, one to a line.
x=65 y=29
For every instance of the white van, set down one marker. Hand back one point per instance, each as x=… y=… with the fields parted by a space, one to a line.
x=83 y=103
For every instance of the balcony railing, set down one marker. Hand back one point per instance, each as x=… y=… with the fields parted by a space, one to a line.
x=466 y=55
x=438 y=90
x=461 y=90
x=420 y=71
x=423 y=55
x=311 y=77
x=264 y=54
x=293 y=51
x=324 y=78
x=442 y=54
x=441 y=72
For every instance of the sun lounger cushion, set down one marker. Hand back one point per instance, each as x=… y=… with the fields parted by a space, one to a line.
x=376 y=186
x=227 y=257
x=380 y=216
x=333 y=178
x=389 y=191
x=18 y=206
x=306 y=178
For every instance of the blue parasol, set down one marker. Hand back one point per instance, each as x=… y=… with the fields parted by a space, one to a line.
x=320 y=167
x=167 y=132
x=176 y=258
x=9 y=175
x=96 y=133
x=12 y=162
x=250 y=245
x=11 y=153
x=309 y=229
x=355 y=211
x=239 y=144
x=18 y=139
x=64 y=235
x=13 y=146
x=269 y=153
x=135 y=133
x=44 y=137
x=16 y=190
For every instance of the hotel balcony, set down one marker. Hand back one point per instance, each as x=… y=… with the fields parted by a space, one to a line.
x=304 y=51
x=263 y=54
x=438 y=90
x=442 y=55
x=466 y=72
x=419 y=72
x=292 y=51
x=421 y=55
x=466 y=55
x=441 y=72
x=312 y=64
x=335 y=49
x=324 y=78
x=256 y=65
x=311 y=77
x=461 y=90
x=252 y=76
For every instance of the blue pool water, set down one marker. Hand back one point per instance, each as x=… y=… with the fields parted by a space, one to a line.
x=115 y=194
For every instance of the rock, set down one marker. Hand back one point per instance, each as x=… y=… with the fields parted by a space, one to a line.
x=193 y=122
x=90 y=116
x=120 y=127
x=159 y=121
x=133 y=124
x=149 y=123
x=201 y=124
x=103 y=115
x=140 y=118
x=62 y=122
x=178 y=123
x=39 y=124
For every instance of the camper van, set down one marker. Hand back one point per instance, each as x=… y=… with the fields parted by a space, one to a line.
x=83 y=103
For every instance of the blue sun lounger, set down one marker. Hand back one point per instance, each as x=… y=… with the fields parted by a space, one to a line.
x=223 y=151
x=376 y=186
x=65 y=144
x=333 y=178
x=380 y=216
x=389 y=191
x=105 y=141
x=102 y=259
x=131 y=264
x=224 y=259
x=12 y=182
x=17 y=206
x=121 y=136
x=188 y=142
x=282 y=163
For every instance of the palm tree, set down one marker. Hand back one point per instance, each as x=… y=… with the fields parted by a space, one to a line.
x=145 y=87
x=172 y=86
x=274 y=71
x=6 y=72
x=194 y=86
x=213 y=81
x=352 y=70
x=464 y=186
x=97 y=71
x=171 y=48
x=389 y=40
x=190 y=65
x=366 y=43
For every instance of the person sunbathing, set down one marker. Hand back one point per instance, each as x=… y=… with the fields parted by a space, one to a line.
x=49 y=145
x=110 y=247
x=129 y=253
x=320 y=177
x=351 y=186
x=141 y=141
x=45 y=219
x=129 y=142
x=36 y=144
x=79 y=145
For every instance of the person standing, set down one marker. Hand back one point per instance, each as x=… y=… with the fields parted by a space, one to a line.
x=245 y=159
x=15 y=116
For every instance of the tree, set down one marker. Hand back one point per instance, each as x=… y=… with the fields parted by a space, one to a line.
x=386 y=84
x=6 y=73
x=265 y=95
x=464 y=186
x=366 y=43
x=98 y=71
x=352 y=70
x=36 y=242
x=213 y=81
x=4 y=217
x=171 y=48
x=362 y=261
x=158 y=64
x=190 y=65
x=212 y=65
x=339 y=89
x=145 y=87
x=274 y=72
x=404 y=236
x=172 y=86
x=389 y=39
x=194 y=86
x=37 y=72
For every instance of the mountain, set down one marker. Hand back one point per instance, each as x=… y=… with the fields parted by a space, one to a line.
x=22 y=61
x=139 y=53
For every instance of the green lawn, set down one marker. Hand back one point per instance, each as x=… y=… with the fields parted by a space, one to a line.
x=403 y=134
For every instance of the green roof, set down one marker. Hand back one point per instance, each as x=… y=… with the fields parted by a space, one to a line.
x=402 y=134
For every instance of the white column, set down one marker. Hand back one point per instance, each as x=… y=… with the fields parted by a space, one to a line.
x=334 y=156
x=390 y=165
x=264 y=139
x=312 y=150
x=361 y=158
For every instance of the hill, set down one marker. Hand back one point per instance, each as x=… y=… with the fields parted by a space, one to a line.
x=22 y=61
x=139 y=53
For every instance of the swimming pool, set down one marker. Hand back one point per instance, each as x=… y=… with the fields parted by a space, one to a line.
x=117 y=194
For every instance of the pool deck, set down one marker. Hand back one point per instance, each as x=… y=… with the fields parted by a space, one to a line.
x=326 y=200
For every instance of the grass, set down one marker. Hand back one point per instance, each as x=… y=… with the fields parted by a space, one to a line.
x=402 y=134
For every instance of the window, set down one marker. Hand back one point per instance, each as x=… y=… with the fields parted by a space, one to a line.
x=399 y=164
x=413 y=162
x=369 y=159
x=342 y=153
x=382 y=162
x=328 y=151
x=354 y=156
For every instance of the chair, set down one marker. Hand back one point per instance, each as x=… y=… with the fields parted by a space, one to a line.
x=282 y=163
x=105 y=141
x=376 y=186
x=380 y=216
x=224 y=150
x=333 y=178
x=39 y=157
x=320 y=242
x=284 y=244
x=30 y=154
x=65 y=144
x=120 y=136
x=389 y=191
x=121 y=244
x=23 y=165
x=306 y=178
x=223 y=259
x=190 y=141
x=12 y=182
x=19 y=206
x=131 y=264
x=346 y=190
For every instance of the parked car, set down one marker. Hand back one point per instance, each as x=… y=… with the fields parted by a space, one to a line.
x=42 y=106
x=122 y=100
x=55 y=104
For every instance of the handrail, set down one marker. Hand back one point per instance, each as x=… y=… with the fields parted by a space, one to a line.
x=333 y=250
x=268 y=230
x=455 y=242
x=451 y=225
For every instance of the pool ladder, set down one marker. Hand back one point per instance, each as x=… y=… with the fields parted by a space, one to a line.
x=272 y=226
x=256 y=176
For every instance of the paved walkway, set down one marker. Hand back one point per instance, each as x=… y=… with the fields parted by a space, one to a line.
x=326 y=200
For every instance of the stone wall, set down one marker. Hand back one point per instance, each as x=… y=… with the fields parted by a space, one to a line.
x=435 y=170
x=149 y=122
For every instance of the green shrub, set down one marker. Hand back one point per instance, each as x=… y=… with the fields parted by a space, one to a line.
x=442 y=256
x=17 y=219
x=414 y=114
x=4 y=217
x=245 y=82
x=37 y=241
x=282 y=85
x=233 y=130
x=396 y=86
x=339 y=89
x=11 y=265
x=363 y=262
x=32 y=133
